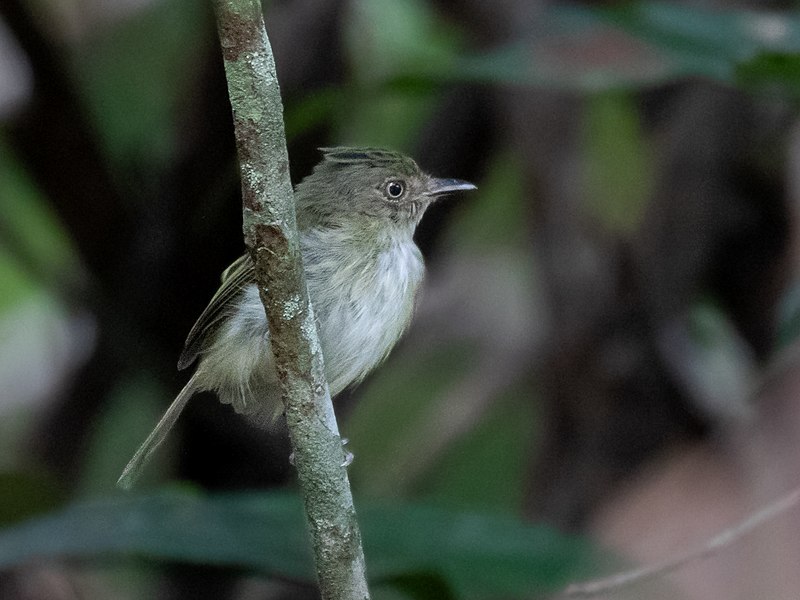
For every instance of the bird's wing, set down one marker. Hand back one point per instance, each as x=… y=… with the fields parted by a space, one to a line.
x=234 y=279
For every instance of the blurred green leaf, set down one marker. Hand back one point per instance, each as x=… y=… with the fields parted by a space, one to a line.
x=418 y=41
x=496 y=214
x=476 y=555
x=385 y=422
x=23 y=495
x=249 y=530
x=619 y=169
x=387 y=100
x=315 y=109
x=420 y=586
x=706 y=41
x=388 y=117
x=487 y=468
x=132 y=409
x=596 y=47
x=770 y=69
x=34 y=245
x=17 y=284
x=681 y=40
x=717 y=363
x=135 y=78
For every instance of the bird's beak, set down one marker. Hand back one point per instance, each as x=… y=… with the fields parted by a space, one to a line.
x=438 y=187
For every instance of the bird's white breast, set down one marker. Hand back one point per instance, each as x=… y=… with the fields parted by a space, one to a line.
x=363 y=306
x=363 y=303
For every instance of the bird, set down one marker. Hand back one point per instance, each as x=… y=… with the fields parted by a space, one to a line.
x=356 y=216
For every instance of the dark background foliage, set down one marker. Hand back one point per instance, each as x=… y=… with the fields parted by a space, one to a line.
x=604 y=346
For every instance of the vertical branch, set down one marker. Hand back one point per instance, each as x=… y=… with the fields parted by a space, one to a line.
x=271 y=236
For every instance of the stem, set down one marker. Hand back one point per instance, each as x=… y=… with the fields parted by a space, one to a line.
x=270 y=233
x=722 y=540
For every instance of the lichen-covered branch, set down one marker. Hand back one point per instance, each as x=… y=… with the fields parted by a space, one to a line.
x=271 y=236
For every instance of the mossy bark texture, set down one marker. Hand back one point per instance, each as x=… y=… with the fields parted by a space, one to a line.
x=270 y=233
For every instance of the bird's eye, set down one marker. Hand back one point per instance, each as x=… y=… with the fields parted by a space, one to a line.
x=395 y=189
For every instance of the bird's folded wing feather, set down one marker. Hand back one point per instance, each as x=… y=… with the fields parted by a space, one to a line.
x=234 y=279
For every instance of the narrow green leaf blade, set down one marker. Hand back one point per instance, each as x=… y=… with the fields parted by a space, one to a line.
x=476 y=555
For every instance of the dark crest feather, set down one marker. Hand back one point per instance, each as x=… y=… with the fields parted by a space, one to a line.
x=375 y=157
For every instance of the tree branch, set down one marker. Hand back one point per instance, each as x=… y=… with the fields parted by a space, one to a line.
x=271 y=236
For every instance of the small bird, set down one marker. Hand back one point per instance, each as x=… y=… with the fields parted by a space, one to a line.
x=356 y=216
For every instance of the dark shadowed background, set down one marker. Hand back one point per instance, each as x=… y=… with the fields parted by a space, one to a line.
x=604 y=356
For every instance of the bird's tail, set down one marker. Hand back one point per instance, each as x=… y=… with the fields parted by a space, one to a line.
x=134 y=468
